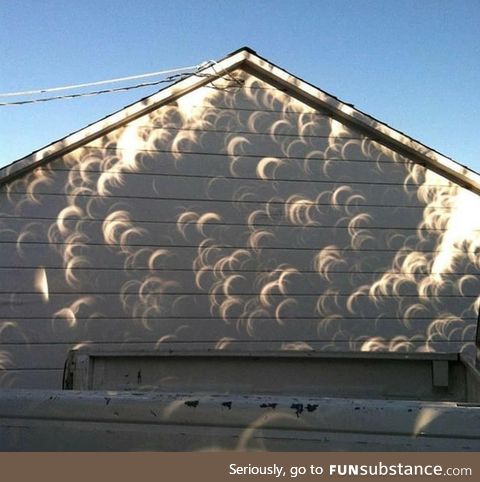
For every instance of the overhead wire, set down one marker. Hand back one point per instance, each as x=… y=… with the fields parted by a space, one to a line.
x=99 y=82
x=191 y=70
x=97 y=92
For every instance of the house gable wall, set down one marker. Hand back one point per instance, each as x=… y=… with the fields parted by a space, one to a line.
x=236 y=217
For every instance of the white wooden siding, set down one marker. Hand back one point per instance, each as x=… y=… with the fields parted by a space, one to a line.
x=234 y=217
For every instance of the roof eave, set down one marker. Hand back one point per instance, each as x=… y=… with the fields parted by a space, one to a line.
x=378 y=130
x=375 y=128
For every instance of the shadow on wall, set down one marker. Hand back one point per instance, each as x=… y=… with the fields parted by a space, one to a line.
x=235 y=218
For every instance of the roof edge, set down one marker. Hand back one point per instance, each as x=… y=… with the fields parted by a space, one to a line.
x=122 y=116
x=379 y=130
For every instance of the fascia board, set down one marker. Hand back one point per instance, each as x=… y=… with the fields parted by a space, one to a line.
x=380 y=131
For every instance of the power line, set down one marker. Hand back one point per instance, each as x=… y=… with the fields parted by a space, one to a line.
x=100 y=82
x=97 y=92
x=191 y=70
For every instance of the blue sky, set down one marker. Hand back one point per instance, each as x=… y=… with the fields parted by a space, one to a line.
x=412 y=64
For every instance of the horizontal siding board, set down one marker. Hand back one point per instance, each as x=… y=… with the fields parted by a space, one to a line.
x=193 y=305
x=265 y=172
x=158 y=162
x=136 y=271
x=382 y=221
x=182 y=257
x=23 y=281
x=318 y=230
x=375 y=196
x=124 y=330
x=355 y=193
x=32 y=378
x=254 y=143
x=238 y=237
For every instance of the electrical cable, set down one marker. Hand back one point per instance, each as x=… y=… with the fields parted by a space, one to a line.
x=97 y=92
x=168 y=79
x=100 y=82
